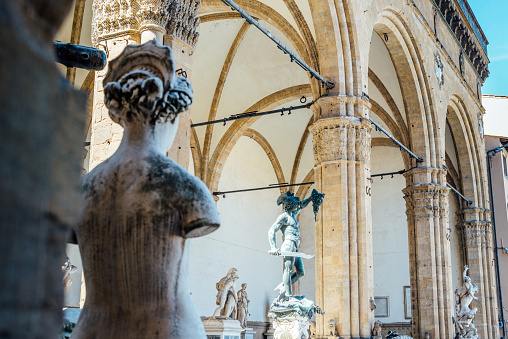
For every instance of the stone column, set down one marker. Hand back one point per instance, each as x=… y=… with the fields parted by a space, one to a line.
x=432 y=305
x=181 y=36
x=344 y=273
x=113 y=28
x=475 y=232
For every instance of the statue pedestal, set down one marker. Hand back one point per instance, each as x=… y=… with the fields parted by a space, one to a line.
x=248 y=333
x=222 y=329
x=296 y=327
x=291 y=316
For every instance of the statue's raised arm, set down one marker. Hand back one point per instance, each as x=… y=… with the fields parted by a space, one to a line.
x=464 y=273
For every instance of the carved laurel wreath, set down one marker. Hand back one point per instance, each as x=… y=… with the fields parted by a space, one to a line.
x=140 y=96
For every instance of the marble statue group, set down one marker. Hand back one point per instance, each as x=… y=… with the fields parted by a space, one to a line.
x=226 y=296
x=231 y=304
x=464 y=315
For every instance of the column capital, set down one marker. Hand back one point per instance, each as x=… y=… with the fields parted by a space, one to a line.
x=184 y=21
x=475 y=233
x=427 y=200
x=112 y=19
x=153 y=15
x=341 y=138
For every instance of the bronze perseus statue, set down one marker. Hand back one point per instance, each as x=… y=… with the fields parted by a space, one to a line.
x=287 y=224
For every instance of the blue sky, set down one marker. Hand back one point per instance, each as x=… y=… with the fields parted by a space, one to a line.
x=492 y=15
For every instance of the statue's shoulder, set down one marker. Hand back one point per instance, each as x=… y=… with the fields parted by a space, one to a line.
x=185 y=191
x=283 y=219
x=94 y=179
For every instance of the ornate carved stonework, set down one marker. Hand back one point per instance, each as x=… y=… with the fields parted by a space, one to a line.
x=111 y=17
x=176 y=18
x=140 y=94
x=474 y=230
x=363 y=142
x=154 y=13
x=426 y=200
x=184 y=22
x=473 y=42
x=341 y=138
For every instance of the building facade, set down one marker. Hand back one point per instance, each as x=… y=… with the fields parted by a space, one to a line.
x=415 y=67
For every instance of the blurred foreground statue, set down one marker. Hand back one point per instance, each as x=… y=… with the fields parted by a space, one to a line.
x=139 y=207
x=42 y=121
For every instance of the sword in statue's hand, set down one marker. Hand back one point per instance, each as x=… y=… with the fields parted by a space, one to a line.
x=276 y=252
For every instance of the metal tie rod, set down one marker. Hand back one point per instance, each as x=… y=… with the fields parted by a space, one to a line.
x=252 y=114
x=402 y=147
x=263 y=188
x=468 y=202
x=388 y=174
x=281 y=46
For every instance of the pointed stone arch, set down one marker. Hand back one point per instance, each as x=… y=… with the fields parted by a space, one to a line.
x=270 y=153
x=238 y=128
x=471 y=162
x=396 y=33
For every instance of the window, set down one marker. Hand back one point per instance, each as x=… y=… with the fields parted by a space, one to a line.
x=383 y=307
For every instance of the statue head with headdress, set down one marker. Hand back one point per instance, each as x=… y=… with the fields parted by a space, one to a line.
x=141 y=87
x=290 y=202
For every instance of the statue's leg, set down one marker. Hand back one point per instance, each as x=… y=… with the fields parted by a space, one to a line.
x=217 y=312
x=299 y=271
x=286 y=278
x=229 y=307
x=221 y=305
